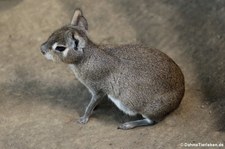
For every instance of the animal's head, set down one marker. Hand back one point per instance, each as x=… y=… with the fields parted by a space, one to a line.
x=68 y=42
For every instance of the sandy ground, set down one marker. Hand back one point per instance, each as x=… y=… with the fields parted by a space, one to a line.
x=40 y=101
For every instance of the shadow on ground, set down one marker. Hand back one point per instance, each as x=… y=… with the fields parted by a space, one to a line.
x=70 y=96
x=202 y=32
x=7 y=4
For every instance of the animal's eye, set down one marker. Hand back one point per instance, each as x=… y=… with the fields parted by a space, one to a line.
x=60 y=48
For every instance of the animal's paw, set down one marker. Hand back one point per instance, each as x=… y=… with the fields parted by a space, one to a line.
x=83 y=120
x=126 y=126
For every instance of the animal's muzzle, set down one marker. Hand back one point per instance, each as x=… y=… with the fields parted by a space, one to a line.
x=43 y=49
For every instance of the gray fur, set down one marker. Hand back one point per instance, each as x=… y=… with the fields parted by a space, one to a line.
x=143 y=80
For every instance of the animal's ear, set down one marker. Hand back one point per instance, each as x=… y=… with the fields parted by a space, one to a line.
x=79 y=20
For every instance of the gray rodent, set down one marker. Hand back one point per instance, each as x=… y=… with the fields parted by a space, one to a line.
x=138 y=79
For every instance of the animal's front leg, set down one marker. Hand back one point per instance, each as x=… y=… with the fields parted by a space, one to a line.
x=93 y=103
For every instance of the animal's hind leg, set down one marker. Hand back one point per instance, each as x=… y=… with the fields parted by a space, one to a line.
x=137 y=123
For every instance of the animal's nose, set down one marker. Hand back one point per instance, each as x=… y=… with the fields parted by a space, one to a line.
x=43 y=52
x=43 y=48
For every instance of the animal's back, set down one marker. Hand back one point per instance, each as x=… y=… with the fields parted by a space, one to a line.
x=148 y=65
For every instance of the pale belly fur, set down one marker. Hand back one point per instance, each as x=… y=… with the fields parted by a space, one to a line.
x=121 y=106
